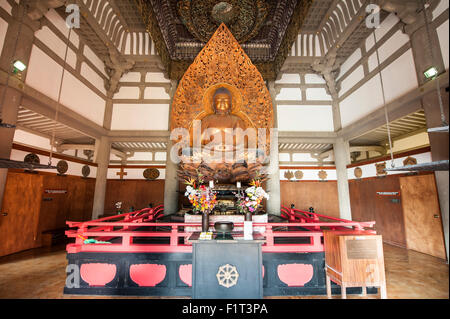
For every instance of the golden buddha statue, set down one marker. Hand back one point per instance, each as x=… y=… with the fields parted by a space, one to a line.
x=218 y=129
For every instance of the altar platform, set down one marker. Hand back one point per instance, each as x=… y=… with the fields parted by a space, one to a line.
x=147 y=257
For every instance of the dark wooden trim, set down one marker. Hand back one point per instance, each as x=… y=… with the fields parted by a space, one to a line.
x=136 y=179
x=55 y=155
x=18 y=170
x=309 y=167
x=390 y=176
x=388 y=157
x=136 y=166
x=309 y=181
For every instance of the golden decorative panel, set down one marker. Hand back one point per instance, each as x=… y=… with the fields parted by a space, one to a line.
x=410 y=161
x=381 y=169
x=222 y=63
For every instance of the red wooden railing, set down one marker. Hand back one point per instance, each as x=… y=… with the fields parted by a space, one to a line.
x=107 y=228
x=296 y=215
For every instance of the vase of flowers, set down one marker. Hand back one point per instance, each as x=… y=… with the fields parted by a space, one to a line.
x=249 y=201
x=202 y=198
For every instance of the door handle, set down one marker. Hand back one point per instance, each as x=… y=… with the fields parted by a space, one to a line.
x=4 y=214
x=436 y=216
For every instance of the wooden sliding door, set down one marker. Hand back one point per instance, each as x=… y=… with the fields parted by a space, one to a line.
x=422 y=215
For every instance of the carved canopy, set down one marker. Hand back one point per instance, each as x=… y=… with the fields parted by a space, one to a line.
x=222 y=63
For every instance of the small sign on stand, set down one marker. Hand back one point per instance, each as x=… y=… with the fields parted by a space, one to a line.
x=248 y=230
x=205 y=236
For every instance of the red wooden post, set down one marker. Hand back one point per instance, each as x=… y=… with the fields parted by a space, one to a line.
x=316 y=242
x=269 y=235
x=174 y=236
x=126 y=240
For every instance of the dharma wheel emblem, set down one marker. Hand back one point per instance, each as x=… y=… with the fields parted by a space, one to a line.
x=227 y=276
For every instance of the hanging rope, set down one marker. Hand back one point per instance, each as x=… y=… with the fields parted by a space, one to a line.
x=12 y=65
x=433 y=59
x=59 y=99
x=384 y=103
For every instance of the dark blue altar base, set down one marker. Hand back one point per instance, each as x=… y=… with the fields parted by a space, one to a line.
x=172 y=285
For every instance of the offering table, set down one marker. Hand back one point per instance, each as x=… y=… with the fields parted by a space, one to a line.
x=227 y=267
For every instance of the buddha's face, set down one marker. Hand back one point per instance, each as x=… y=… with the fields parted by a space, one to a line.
x=222 y=103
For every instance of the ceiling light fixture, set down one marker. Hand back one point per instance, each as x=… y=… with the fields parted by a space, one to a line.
x=431 y=72
x=19 y=66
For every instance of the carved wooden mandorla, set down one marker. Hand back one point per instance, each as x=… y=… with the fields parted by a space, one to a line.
x=223 y=63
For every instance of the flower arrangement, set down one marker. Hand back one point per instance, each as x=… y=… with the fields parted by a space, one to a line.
x=252 y=197
x=119 y=208
x=202 y=198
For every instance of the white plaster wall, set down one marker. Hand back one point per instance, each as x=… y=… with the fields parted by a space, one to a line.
x=289 y=78
x=89 y=74
x=78 y=97
x=3 y=29
x=98 y=63
x=351 y=80
x=352 y=59
x=160 y=156
x=61 y=25
x=291 y=94
x=305 y=118
x=55 y=44
x=131 y=77
x=387 y=25
x=317 y=94
x=31 y=139
x=369 y=170
x=314 y=79
x=155 y=93
x=361 y=102
x=44 y=74
x=140 y=117
x=141 y=156
x=283 y=157
x=443 y=32
x=442 y=6
x=74 y=168
x=394 y=43
x=310 y=174
x=155 y=77
x=300 y=157
x=400 y=77
x=128 y=92
x=133 y=173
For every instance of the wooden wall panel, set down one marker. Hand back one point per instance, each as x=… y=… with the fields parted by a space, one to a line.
x=51 y=211
x=323 y=196
x=21 y=202
x=54 y=207
x=89 y=198
x=367 y=205
x=136 y=193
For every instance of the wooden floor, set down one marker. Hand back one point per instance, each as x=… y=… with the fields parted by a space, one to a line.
x=40 y=273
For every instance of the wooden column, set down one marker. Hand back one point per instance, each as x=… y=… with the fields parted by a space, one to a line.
x=342 y=159
x=17 y=46
x=424 y=57
x=273 y=183
x=102 y=154
x=171 y=184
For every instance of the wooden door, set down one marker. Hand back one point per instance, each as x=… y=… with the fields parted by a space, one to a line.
x=21 y=203
x=422 y=215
